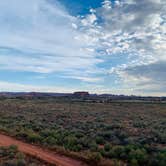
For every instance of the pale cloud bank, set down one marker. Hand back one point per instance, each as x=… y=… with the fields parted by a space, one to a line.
x=16 y=87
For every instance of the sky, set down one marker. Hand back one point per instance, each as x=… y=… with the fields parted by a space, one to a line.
x=100 y=46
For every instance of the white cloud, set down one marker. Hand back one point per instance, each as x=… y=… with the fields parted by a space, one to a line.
x=45 y=36
x=136 y=29
x=85 y=78
x=149 y=77
x=89 y=20
x=107 y=4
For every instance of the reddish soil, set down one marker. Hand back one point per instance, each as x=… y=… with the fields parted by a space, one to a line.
x=45 y=155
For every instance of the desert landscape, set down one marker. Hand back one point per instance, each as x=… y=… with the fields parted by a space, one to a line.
x=94 y=133
x=82 y=82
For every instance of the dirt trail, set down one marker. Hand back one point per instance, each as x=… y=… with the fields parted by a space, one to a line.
x=45 y=155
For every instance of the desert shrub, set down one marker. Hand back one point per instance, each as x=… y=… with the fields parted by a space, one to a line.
x=128 y=141
x=34 y=137
x=77 y=148
x=21 y=162
x=50 y=140
x=94 y=158
x=79 y=135
x=107 y=147
x=93 y=146
x=134 y=162
x=13 y=148
x=100 y=140
x=121 y=135
x=70 y=142
x=139 y=124
x=118 y=151
x=140 y=155
x=46 y=133
x=106 y=135
x=86 y=142
x=22 y=134
x=20 y=155
x=162 y=138
x=161 y=159
x=3 y=152
x=10 y=163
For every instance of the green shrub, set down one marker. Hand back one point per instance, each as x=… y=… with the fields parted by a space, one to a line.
x=107 y=147
x=134 y=162
x=94 y=157
x=21 y=162
x=34 y=137
x=100 y=140
x=50 y=140
x=93 y=147
x=140 y=155
x=13 y=148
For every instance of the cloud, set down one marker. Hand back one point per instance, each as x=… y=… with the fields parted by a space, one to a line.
x=151 y=75
x=17 y=87
x=136 y=30
x=85 y=78
x=122 y=38
x=133 y=27
x=136 y=27
x=38 y=36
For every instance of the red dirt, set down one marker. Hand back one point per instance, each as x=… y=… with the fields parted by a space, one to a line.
x=45 y=155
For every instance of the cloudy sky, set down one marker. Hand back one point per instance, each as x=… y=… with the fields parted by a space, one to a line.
x=101 y=46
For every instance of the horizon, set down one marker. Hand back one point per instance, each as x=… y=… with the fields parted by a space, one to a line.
x=72 y=92
x=99 y=46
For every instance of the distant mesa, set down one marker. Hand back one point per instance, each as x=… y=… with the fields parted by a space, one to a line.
x=106 y=98
x=81 y=94
x=32 y=94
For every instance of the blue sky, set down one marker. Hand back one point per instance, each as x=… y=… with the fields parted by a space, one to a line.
x=100 y=46
x=80 y=7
